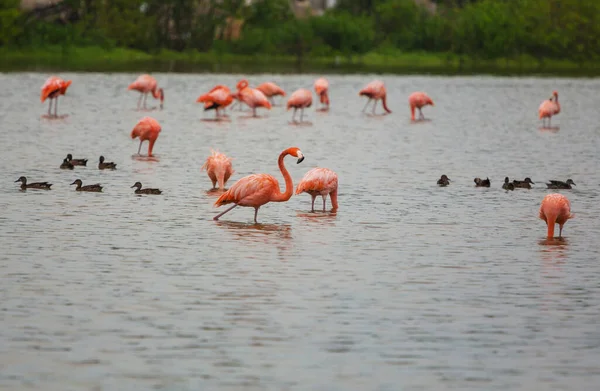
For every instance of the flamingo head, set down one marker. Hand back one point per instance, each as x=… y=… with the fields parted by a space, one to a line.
x=296 y=153
x=242 y=84
x=555 y=94
x=430 y=102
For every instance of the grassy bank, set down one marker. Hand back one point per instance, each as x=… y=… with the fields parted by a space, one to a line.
x=96 y=59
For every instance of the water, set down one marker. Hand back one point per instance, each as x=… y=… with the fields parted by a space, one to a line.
x=409 y=286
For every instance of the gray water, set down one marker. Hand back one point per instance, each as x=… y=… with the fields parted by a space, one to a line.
x=407 y=287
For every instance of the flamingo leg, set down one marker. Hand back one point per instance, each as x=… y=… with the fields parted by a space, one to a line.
x=294 y=115
x=560 y=230
x=140 y=100
x=226 y=210
x=549 y=121
x=145 y=97
x=256 y=214
x=56 y=107
x=324 y=198
x=374 y=106
x=140 y=148
x=301 y=114
x=312 y=206
x=421 y=116
x=364 y=108
x=254 y=111
x=49 y=107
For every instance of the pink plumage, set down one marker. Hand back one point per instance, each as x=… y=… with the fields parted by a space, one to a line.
x=555 y=209
x=320 y=181
x=147 y=129
x=549 y=108
x=418 y=100
x=219 y=168
x=375 y=90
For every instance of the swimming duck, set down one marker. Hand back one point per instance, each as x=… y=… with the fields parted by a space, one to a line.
x=139 y=189
x=76 y=162
x=107 y=165
x=560 y=184
x=36 y=185
x=95 y=187
x=443 y=181
x=482 y=183
x=66 y=165
x=507 y=185
x=524 y=184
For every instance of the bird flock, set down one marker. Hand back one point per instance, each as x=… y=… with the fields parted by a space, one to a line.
x=258 y=189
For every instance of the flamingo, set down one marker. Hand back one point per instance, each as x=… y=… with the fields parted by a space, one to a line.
x=239 y=86
x=375 y=90
x=219 y=169
x=320 y=181
x=53 y=88
x=300 y=99
x=555 y=208
x=252 y=97
x=548 y=108
x=146 y=129
x=145 y=84
x=217 y=98
x=258 y=189
x=418 y=100
x=270 y=90
x=321 y=88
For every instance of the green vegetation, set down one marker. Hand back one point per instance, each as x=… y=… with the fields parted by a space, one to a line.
x=499 y=36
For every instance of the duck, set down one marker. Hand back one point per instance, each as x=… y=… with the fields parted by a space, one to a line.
x=482 y=183
x=66 y=165
x=560 y=184
x=524 y=184
x=76 y=162
x=35 y=185
x=95 y=187
x=139 y=189
x=107 y=165
x=443 y=181
x=507 y=185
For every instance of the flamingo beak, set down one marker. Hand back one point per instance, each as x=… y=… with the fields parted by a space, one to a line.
x=300 y=160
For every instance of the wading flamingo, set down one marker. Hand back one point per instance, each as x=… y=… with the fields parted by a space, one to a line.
x=146 y=129
x=320 y=181
x=300 y=99
x=219 y=169
x=270 y=90
x=218 y=98
x=548 y=108
x=375 y=90
x=147 y=84
x=258 y=189
x=53 y=88
x=418 y=100
x=252 y=97
x=321 y=88
x=555 y=209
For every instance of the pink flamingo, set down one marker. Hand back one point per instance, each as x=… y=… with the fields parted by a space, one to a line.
x=270 y=90
x=320 y=181
x=219 y=169
x=555 y=209
x=218 y=98
x=146 y=129
x=53 y=88
x=300 y=99
x=548 y=108
x=418 y=100
x=252 y=97
x=375 y=90
x=321 y=88
x=258 y=189
x=147 y=84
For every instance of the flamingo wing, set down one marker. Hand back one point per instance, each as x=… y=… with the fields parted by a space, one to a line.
x=300 y=98
x=321 y=85
x=318 y=180
x=51 y=85
x=146 y=128
x=144 y=83
x=252 y=190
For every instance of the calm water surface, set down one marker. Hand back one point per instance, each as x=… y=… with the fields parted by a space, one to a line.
x=408 y=287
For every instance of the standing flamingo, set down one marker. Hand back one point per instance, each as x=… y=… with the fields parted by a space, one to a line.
x=258 y=189
x=217 y=98
x=252 y=97
x=375 y=90
x=270 y=90
x=418 y=100
x=320 y=181
x=300 y=99
x=555 y=209
x=548 y=108
x=321 y=88
x=147 y=84
x=146 y=129
x=53 y=88
x=219 y=169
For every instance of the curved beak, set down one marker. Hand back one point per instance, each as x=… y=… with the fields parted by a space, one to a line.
x=300 y=160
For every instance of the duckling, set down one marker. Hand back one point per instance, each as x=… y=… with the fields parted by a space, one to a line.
x=482 y=183
x=524 y=184
x=95 y=187
x=36 y=185
x=507 y=185
x=561 y=185
x=76 y=162
x=443 y=181
x=139 y=189
x=107 y=165
x=66 y=165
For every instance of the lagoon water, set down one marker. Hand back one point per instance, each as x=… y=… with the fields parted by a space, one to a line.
x=407 y=287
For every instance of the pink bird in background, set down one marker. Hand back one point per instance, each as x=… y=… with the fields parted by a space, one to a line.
x=320 y=181
x=146 y=129
x=218 y=98
x=258 y=189
x=375 y=90
x=147 y=84
x=53 y=88
x=219 y=169
x=555 y=209
x=252 y=97
x=322 y=88
x=418 y=100
x=300 y=99
x=270 y=90
x=548 y=108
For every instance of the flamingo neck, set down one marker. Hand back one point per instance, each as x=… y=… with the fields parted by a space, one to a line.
x=150 y=146
x=333 y=197
x=383 y=100
x=412 y=112
x=557 y=106
x=289 y=186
